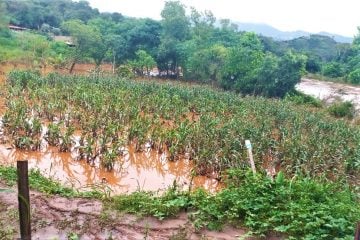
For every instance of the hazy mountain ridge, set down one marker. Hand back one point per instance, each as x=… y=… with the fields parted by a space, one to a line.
x=269 y=31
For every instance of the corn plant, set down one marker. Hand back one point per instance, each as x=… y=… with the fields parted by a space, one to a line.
x=205 y=125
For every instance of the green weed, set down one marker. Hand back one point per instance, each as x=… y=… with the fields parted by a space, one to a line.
x=38 y=182
x=342 y=109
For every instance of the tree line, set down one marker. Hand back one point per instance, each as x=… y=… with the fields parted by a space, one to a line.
x=189 y=44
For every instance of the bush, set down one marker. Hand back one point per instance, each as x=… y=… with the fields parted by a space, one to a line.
x=268 y=75
x=303 y=99
x=313 y=64
x=124 y=71
x=342 y=109
x=300 y=208
x=333 y=69
x=354 y=76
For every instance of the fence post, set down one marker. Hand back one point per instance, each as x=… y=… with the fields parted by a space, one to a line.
x=24 y=200
x=251 y=158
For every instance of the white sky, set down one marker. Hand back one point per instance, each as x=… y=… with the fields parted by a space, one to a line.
x=334 y=16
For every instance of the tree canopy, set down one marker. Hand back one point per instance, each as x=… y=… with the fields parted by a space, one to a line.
x=186 y=43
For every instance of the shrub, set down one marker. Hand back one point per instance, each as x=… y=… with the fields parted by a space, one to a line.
x=354 y=76
x=342 y=109
x=301 y=208
x=303 y=99
x=124 y=71
x=333 y=69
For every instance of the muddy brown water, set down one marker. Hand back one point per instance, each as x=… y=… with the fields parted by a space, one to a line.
x=329 y=91
x=147 y=171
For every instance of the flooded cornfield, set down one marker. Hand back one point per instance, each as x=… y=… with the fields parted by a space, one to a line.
x=148 y=171
x=122 y=136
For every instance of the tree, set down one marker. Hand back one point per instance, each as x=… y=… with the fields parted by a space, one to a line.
x=3 y=20
x=206 y=64
x=333 y=69
x=242 y=64
x=88 y=42
x=116 y=45
x=202 y=25
x=143 y=61
x=313 y=64
x=356 y=40
x=144 y=35
x=176 y=29
x=174 y=20
x=251 y=71
x=288 y=73
x=354 y=76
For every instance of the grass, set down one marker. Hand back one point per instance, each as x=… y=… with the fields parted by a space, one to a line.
x=326 y=79
x=342 y=109
x=45 y=185
x=300 y=98
x=7 y=229
x=297 y=207
x=32 y=48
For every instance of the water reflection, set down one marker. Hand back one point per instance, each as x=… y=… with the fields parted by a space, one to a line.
x=148 y=171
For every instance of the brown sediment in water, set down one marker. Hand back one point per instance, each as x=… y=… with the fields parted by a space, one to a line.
x=148 y=171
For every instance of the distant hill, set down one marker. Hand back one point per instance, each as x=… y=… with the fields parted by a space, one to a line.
x=269 y=31
x=324 y=47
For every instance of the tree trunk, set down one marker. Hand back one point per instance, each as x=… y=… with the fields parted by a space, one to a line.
x=72 y=67
x=113 y=64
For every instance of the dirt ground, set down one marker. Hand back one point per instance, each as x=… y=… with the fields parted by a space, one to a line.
x=56 y=217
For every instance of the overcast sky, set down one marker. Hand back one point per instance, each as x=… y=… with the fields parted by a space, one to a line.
x=335 y=16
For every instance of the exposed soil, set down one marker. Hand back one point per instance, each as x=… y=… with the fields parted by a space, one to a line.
x=56 y=217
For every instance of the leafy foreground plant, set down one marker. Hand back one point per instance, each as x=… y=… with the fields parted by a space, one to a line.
x=45 y=185
x=298 y=208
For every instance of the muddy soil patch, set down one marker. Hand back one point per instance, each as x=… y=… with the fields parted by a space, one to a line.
x=55 y=217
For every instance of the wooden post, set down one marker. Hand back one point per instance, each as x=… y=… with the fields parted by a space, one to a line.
x=357 y=232
x=251 y=158
x=24 y=200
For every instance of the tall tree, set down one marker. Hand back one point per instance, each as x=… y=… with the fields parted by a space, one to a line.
x=3 y=17
x=88 y=42
x=174 y=20
x=143 y=62
x=176 y=28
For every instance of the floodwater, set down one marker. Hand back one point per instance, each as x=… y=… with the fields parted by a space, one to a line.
x=147 y=171
x=330 y=91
